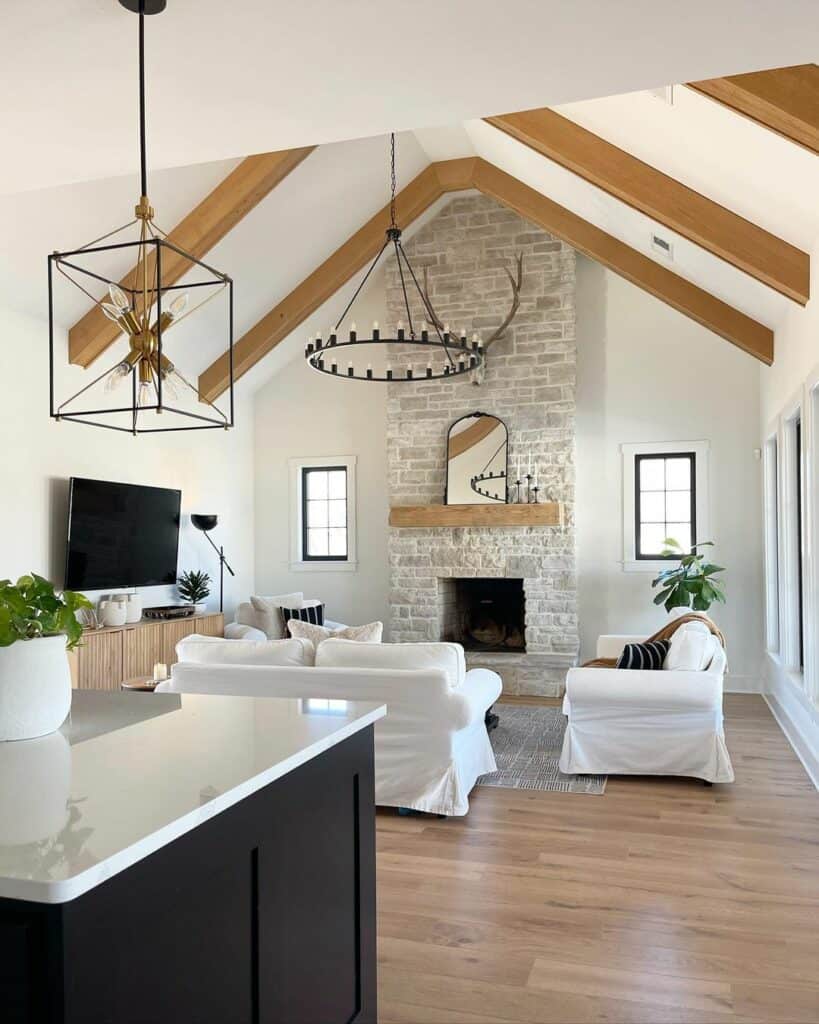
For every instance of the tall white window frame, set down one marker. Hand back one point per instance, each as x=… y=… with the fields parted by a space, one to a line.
x=297 y=465
x=792 y=525
x=810 y=485
x=629 y=453
x=770 y=471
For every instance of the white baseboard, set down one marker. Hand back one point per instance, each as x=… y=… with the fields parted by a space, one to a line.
x=797 y=720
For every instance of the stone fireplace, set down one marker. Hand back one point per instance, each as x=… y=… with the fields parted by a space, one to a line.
x=529 y=383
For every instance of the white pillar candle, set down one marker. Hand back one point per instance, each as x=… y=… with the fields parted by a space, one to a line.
x=160 y=672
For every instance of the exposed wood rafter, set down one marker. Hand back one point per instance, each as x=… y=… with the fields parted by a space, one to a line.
x=219 y=212
x=748 y=247
x=786 y=100
x=474 y=172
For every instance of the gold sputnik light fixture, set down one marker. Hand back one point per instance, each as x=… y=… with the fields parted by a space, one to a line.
x=144 y=307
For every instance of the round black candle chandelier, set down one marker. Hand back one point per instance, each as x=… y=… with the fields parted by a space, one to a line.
x=447 y=354
x=143 y=306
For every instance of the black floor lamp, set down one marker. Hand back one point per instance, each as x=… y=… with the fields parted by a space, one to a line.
x=206 y=524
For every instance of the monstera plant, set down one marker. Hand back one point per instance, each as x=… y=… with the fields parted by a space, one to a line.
x=692 y=583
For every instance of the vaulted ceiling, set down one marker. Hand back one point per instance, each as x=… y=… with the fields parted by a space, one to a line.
x=735 y=200
x=233 y=79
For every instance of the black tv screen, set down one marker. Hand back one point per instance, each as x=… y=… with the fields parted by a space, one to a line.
x=121 y=535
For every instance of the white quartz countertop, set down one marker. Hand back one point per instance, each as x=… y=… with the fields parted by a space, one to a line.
x=130 y=772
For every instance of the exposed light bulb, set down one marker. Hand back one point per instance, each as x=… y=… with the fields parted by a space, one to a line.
x=117 y=376
x=118 y=298
x=110 y=311
x=144 y=395
x=375 y=325
x=178 y=306
x=170 y=384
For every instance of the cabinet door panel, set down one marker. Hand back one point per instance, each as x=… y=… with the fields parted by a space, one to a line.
x=142 y=649
x=100 y=661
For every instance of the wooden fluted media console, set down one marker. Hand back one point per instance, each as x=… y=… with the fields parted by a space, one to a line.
x=109 y=655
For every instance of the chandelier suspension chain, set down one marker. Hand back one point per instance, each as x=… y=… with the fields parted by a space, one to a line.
x=392 y=180
x=143 y=159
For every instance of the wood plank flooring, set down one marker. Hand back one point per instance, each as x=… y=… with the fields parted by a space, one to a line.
x=660 y=901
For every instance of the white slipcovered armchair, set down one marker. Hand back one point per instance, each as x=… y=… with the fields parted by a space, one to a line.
x=635 y=722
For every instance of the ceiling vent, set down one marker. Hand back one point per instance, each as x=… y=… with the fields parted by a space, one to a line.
x=663 y=247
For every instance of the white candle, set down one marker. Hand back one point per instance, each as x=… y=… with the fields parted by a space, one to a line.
x=160 y=672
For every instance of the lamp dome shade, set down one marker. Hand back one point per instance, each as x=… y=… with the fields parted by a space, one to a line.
x=204 y=523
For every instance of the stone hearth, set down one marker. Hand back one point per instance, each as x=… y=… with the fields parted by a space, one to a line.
x=530 y=384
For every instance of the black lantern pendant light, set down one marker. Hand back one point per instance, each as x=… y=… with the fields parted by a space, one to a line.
x=143 y=308
x=447 y=355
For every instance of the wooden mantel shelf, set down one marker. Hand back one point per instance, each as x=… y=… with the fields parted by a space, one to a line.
x=547 y=513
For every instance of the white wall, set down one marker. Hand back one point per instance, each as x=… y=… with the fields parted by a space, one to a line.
x=38 y=455
x=300 y=412
x=647 y=373
x=796 y=363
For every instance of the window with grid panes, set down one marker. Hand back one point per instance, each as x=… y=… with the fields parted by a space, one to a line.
x=324 y=514
x=665 y=502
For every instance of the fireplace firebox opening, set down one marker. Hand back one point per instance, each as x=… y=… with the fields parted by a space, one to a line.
x=485 y=614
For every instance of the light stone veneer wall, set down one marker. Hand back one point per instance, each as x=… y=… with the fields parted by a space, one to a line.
x=530 y=384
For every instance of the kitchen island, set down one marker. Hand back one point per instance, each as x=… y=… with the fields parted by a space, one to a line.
x=190 y=858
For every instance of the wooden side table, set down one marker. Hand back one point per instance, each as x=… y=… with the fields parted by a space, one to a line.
x=140 y=684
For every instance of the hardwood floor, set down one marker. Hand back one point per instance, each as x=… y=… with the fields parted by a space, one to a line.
x=660 y=901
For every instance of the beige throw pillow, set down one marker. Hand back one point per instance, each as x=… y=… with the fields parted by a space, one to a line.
x=268 y=616
x=369 y=634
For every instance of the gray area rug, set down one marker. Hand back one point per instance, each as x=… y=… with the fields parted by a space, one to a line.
x=527 y=746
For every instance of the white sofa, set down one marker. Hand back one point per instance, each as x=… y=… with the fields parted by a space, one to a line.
x=630 y=722
x=431 y=746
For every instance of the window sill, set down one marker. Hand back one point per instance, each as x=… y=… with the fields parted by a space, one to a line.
x=324 y=566
x=649 y=565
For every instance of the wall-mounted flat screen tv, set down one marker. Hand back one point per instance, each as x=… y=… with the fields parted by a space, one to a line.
x=121 y=535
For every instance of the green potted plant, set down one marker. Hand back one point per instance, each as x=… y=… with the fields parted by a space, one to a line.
x=37 y=627
x=194 y=587
x=691 y=584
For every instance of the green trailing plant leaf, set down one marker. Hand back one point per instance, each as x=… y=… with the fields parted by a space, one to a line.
x=690 y=584
x=194 y=586
x=30 y=608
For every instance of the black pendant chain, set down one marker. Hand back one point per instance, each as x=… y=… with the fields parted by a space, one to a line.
x=392 y=180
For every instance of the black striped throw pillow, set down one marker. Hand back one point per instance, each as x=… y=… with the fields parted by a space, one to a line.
x=313 y=614
x=648 y=657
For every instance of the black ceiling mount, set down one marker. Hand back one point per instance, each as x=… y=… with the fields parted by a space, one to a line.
x=150 y=6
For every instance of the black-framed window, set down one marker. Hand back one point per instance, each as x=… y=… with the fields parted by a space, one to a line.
x=665 y=502
x=324 y=514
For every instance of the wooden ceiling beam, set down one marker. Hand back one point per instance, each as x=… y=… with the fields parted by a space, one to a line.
x=785 y=100
x=684 y=296
x=746 y=246
x=334 y=272
x=460 y=175
x=220 y=211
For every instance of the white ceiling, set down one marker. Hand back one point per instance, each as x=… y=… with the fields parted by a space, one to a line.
x=230 y=79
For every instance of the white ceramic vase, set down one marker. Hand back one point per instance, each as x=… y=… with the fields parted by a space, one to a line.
x=35 y=688
x=200 y=608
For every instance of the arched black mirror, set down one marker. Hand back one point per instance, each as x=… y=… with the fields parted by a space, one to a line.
x=476 y=463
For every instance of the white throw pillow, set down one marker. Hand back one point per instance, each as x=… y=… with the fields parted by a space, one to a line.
x=213 y=651
x=445 y=656
x=368 y=634
x=692 y=648
x=267 y=615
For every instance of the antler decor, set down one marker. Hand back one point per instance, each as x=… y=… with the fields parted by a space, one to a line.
x=516 y=281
